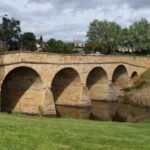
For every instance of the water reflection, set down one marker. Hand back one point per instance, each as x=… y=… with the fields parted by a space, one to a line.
x=106 y=111
x=103 y=110
x=74 y=112
x=131 y=113
x=98 y=111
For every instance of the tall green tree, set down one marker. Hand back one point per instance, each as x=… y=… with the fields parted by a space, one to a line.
x=10 y=32
x=140 y=31
x=105 y=31
x=28 y=41
x=126 y=38
x=58 y=46
x=94 y=46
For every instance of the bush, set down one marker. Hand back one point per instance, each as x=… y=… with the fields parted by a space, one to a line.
x=138 y=82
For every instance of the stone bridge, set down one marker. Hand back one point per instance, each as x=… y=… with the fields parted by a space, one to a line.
x=36 y=83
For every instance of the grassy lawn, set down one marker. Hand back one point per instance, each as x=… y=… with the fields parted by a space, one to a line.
x=18 y=132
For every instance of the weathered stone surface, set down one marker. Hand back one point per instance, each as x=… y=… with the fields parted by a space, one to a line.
x=36 y=82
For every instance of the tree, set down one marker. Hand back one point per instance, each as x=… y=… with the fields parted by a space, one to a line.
x=95 y=46
x=58 y=46
x=140 y=31
x=104 y=31
x=41 y=39
x=10 y=32
x=127 y=39
x=28 y=41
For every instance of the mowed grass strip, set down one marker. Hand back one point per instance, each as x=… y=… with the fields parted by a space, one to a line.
x=19 y=132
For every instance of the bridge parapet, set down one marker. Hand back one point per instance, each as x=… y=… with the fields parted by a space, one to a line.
x=35 y=57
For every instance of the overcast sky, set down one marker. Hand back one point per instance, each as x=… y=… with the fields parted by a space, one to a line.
x=69 y=19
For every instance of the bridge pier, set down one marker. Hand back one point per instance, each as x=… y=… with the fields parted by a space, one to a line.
x=79 y=108
x=85 y=97
x=49 y=104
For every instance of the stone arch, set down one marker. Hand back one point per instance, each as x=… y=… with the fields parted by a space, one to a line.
x=10 y=68
x=66 y=86
x=57 y=69
x=134 y=74
x=97 y=82
x=120 y=76
x=22 y=91
x=134 y=77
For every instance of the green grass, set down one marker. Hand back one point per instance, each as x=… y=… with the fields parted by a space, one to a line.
x=18 y=132
x=146 y=75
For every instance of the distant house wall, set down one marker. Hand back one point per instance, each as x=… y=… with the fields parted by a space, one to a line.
x=79 y=47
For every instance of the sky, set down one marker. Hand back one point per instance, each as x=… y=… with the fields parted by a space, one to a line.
x=68 y=20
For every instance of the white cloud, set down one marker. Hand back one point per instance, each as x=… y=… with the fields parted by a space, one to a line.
x=69 y=19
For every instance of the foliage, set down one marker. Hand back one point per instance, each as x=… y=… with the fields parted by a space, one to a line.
x=104 y=36
x=141 y=35
x=40 y=40
x=135 y=39
x=138 y=82
x=3 y=50
x=10 y=32
x=146 y=76
x=138 y=94
x=28 y=41
x=126 y=38
x=96 y=46
x=104 y=32
x=58 y=46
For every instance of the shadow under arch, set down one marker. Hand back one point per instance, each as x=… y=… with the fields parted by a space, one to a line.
x=97 y=82
x=98 y=74
x=21 y=91
x=100 y=94
x=134 y=75
x=65 y=86
x=67 y=92
x=120 y=76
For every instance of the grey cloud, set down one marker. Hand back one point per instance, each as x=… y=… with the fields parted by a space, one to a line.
x=91 y=4
x=136 y=4
x=69 y=19
x=74 y=4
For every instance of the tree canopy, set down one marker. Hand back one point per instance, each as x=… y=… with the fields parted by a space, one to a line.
x=104 y=32
x=28 y=41
x=10 y=32
x=109 y=37
x=105 y=36
x=140 y=32
x=58 y=46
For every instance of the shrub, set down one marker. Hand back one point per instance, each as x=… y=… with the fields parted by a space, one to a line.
x=138 y=82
